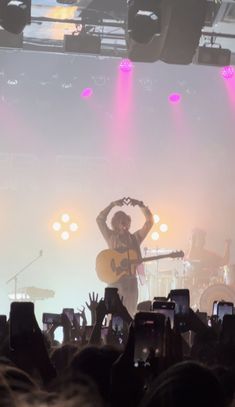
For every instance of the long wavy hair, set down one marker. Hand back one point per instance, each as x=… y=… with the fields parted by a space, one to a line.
x=119 y=217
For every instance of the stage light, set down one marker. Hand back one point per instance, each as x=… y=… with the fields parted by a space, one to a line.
x=144 y=21
x=155 y=236
x=67 y=85
x=65 y=226
x=227 y=72
x=86 y=93
x=126 y=65
x=14 y=15
x=174 y=98
x=156 y=218
x=73 y=227
x=12 y=82
x=65 y=235
x=163 y=227
x=65 y=218
x=166 y=30
x=56 y=226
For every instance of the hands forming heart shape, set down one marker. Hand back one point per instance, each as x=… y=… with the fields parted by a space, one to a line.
x=127 y=201
x=133 y=202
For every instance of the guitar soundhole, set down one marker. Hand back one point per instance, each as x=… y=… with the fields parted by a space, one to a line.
x=114 y=268
x=124 y=264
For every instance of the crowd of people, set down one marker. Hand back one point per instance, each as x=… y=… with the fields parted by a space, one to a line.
x=96 y=365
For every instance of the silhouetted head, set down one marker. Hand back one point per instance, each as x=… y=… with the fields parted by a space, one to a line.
x=6 y=395
x=18 y=380
x=185 y=384
x=96 y=363
x=121 y=222
x=62 y=356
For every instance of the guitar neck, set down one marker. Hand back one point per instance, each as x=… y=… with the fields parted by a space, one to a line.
x=152 y=258
x=160 y=256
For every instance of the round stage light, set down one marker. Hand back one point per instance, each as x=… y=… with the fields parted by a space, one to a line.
x=174 y=98
x=65 y=218
x=56 y=226
x=126 y=65
x=65 y=235
x=86 y=93
x=156 y=218
x=163 y=227
x=227 y=72
x=73 y=227
x=155 y=236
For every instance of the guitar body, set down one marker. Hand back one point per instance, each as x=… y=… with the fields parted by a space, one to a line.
x=112 y=265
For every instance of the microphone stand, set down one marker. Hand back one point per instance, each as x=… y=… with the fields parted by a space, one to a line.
x=15 y=276
x=147 y=279
x=157 y=274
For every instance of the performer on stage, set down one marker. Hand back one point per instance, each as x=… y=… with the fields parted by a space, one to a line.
x=208 y=261
x=119 y=238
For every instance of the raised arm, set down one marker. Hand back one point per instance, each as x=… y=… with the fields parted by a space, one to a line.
x=102 y=217
x=142 y=233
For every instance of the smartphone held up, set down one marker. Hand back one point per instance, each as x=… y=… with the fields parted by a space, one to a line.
x=22 y=324
x=149 y=335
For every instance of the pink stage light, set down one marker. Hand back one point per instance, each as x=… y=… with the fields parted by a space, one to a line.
x=86 y=93
x=227 y=72
x=126 y=65
x=174 y=98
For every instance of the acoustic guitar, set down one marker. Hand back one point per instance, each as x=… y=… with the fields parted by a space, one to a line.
x=111 y=265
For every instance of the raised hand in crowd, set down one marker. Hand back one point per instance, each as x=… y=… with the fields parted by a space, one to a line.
x=67 y=328
x=120 y=318
x=79 y=326
x=82 y=314
x=92 y=305
x=100 y=311
x=117 y=310
x=120 y=310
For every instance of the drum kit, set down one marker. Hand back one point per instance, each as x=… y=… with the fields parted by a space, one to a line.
x=205 y=287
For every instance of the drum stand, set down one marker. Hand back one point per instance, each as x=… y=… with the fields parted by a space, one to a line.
x=183 y=278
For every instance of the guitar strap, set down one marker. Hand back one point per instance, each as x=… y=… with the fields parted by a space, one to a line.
x=136 y=246
x=140 y=272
